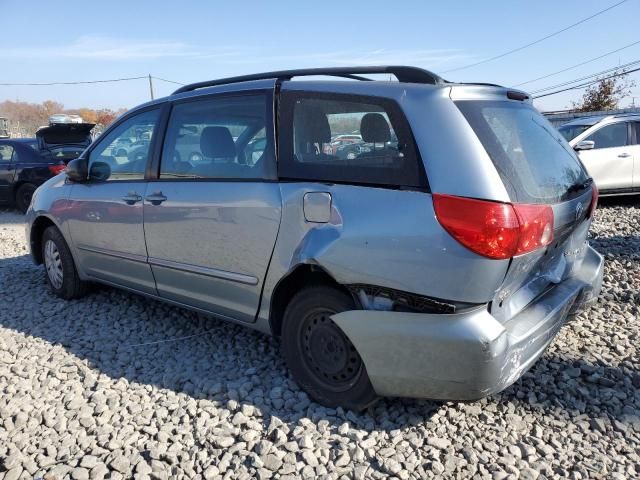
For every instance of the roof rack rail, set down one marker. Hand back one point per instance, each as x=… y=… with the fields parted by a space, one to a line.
x=623 y=114
x=402 y=73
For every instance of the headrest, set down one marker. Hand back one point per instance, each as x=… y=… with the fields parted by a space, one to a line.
x=217 y=142
x=374 y=128
x=312 y=125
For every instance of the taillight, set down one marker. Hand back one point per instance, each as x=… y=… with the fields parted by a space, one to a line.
x=493 y=229
x=594 y=199
x=56 y=169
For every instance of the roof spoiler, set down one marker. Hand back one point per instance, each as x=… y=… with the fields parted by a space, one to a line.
x=404 y=74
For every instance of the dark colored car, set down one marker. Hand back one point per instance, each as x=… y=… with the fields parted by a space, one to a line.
x=26 y=163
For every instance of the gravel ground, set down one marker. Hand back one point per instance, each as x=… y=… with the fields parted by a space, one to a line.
x=81 y=398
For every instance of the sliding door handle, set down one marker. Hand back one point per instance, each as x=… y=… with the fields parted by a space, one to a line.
x=156 y=198
x=131 y=198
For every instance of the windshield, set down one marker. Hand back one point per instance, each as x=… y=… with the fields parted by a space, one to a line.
x=569 y=132
x=535 y=162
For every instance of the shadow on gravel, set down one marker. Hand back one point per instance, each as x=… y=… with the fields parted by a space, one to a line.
x=11 y=217
x=580 y=388
x=127 y=336
x=619 y=201
x=124 y=336
x=628 y=245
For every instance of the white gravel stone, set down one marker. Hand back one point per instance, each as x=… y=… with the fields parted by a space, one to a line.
x=80 y=401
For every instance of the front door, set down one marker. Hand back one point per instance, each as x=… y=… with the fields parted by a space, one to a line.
x=106 y=223
x=212 y=215
x=610 y=163
x=7 y=172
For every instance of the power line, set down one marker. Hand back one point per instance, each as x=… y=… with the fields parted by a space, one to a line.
x=169 y=81
x=72 y=83
x=575 y=87
x=535 y=41
x=579 y=64
x=603 y=72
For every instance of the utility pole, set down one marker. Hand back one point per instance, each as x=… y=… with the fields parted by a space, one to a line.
x=151 y=86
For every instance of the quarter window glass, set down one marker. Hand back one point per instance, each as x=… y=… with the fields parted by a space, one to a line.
x=218 y=138
x=123 y=153
x=6 y=152
x=614 y=135
x=349 y=141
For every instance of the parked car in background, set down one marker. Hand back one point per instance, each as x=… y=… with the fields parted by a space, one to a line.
x=64 y=141
x=65 y=118
x=338 y=141
x=609 y=148
x=4 y=127
x=26 y=163
x=439 y=264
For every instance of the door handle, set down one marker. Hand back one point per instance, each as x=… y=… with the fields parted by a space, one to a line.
x=156 y=198
x=131 y=198
x=624 y=155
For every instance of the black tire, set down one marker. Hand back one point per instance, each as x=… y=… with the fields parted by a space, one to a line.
x=70 y=286
x=319 y=355
x=23 y=196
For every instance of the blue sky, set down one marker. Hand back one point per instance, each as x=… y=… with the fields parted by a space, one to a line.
x=195 y=40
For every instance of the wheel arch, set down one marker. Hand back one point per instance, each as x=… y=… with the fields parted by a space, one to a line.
x=298 y=278
x=39 y=225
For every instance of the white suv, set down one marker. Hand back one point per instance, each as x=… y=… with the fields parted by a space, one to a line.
x=609 y=147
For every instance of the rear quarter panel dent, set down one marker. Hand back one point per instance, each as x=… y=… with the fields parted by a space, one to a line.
x=382 y=237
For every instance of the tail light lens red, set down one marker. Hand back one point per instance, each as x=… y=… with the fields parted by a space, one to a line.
x=56 y=169
x=594 y=199
x=493 y=229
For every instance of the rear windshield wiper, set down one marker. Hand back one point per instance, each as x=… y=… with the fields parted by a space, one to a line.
x=580 y=186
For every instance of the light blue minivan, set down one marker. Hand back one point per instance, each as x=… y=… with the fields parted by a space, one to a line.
x=439 y=261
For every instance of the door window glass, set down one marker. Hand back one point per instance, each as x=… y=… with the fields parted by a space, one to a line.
x=123 y=153
x=636 y=127
x=6 y=152
x=218 y=138
x=614 y=135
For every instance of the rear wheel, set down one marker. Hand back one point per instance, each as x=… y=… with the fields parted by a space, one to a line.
x=60 y=271
x=321 y=358
x=23 y=196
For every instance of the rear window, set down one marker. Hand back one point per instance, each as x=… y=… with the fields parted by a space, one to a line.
x=534 y=160
x=347 y=139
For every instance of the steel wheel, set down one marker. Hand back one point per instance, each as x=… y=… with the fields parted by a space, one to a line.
x=53 y=264
x=328 y=352
x=320 y=357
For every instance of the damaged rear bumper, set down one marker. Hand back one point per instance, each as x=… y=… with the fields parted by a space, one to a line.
x=467 y=355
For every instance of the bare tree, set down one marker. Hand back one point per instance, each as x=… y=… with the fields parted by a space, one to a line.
x=606 y=94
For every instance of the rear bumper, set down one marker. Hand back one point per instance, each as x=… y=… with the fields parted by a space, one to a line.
x=468 y=355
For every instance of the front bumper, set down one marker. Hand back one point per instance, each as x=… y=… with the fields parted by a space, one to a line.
x=467 y=355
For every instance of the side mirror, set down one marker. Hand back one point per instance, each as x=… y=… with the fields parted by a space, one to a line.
x=100 y=171
x=585 y=145
x=77 y=170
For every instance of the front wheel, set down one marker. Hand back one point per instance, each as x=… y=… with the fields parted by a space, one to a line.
x=60 y=271
x=321 y=358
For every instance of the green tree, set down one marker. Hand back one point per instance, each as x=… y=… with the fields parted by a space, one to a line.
x=606 y=94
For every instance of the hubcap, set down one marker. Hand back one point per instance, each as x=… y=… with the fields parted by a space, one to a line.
x=328 y=352
x=53 y=263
